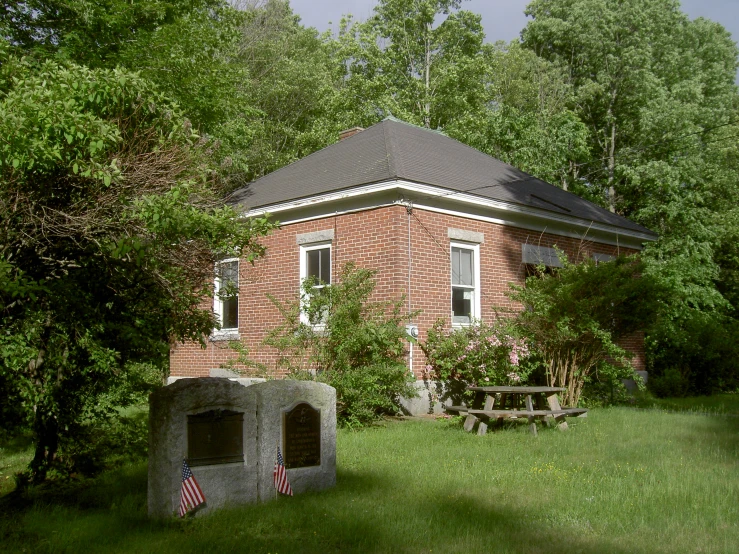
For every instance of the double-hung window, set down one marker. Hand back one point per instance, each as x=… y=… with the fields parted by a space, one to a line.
x=465 y=260
x=315 y=264
x=226 y=304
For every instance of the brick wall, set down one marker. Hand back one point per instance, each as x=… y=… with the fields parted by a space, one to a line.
x=378 y=239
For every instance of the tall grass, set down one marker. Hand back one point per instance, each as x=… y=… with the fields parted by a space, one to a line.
x=621 y=480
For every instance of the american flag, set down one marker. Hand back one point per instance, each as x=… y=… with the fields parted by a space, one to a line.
x=190 y=493
x=281 y=483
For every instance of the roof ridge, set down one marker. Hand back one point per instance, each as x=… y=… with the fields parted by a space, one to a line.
x=339 y=141
x=420 y=127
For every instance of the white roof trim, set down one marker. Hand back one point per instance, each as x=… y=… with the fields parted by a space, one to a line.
x=439 y=193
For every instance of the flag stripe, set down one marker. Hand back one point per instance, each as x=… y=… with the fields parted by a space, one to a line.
x=191 y=494
x=280 y=476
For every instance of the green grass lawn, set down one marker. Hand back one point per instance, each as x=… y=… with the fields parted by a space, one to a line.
x=621 y=480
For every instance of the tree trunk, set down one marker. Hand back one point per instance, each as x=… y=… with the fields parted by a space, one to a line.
x=611 y=170
x=427 y=89
x=612 y=155
x=45 y=425
x=46 y=439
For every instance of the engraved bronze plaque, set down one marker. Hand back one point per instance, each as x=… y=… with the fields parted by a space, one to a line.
x=215 y=437
x=301 y=432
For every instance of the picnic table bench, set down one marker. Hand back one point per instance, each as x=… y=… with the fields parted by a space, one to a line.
x=513 y=403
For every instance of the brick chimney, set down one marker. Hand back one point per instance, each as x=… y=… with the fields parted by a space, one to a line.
x=350 y=132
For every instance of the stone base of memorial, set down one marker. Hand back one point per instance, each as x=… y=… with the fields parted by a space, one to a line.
x=229 y=434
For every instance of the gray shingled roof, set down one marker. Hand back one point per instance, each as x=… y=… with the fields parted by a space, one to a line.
x=392 y=149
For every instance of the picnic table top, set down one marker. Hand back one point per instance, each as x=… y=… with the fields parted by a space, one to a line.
x=516 y=390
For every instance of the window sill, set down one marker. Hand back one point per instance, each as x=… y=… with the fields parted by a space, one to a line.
x=229 y=334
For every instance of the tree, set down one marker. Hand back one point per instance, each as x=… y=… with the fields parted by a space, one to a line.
x=526 y=117
x=403 y=61
x=88 y=32
x=657 y=94
x=111 y=225
x=292 y=87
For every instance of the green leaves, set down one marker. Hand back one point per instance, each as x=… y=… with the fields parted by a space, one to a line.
x=409 y=61
x=576 y=316
x=111 y=225
x=360 y=346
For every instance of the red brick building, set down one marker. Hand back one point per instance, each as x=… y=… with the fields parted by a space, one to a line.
x=442 y=223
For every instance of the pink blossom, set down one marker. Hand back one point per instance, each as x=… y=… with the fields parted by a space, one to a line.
x=513 y=376
x=513 y=356
x=487 y=378
x=495 y=341
x=462 y=358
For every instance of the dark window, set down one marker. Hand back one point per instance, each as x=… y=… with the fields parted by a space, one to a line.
x=463 y=285
x=228 y=294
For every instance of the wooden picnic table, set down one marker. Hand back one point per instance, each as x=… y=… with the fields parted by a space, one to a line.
x=500 y=403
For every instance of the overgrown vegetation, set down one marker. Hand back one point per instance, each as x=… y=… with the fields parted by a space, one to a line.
x=342 y=337
x=476 y=355
x=112 y=220
x=574 y=317
x=567 y=333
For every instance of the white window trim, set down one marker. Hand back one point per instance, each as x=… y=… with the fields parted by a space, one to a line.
x=475 y=316
x=304 y=249
x=223 y=334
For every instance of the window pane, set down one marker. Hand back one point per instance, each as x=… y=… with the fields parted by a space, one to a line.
x=319 y=264
x=326 y=265
x=463 y=269
x=313 y=257
x=230 y=313
x=462 y=305
x=229 y=279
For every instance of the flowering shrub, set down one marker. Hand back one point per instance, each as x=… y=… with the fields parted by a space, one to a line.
x=476 y=355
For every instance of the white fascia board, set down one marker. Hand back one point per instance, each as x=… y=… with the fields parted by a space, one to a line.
x=506 y=213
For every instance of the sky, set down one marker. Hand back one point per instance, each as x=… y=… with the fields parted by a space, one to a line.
x=501 y=19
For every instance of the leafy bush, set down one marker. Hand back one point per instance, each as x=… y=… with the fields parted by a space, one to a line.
x=698 y=358
x=670 y=384
x=355 y=345
x=480 y=354
x=575 y=315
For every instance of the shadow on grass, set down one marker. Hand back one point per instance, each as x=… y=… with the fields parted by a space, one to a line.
x=366 y=512
x=16 y=444
x=715 y=436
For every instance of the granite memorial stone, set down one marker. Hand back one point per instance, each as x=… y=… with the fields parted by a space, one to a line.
x=229 y=434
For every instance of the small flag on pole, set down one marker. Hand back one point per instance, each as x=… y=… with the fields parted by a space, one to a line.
x=281 y=483
x=190 y=493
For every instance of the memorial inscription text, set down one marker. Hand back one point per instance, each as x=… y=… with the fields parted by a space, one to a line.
x=215 y=437
x=301 y=429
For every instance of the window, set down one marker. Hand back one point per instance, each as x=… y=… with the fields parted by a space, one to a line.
x=226 y=305
x=465 y=283
x=603 y=258
x=315 y=262
x=540 y=255
x=536 y=256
